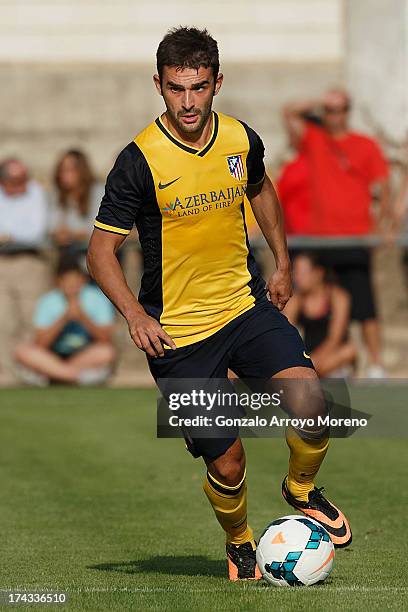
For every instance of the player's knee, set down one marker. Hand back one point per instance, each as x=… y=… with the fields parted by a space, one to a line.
x=304 y=400
x=231 y=473
x=230 y=468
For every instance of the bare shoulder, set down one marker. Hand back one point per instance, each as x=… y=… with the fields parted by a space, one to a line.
x=339 y=296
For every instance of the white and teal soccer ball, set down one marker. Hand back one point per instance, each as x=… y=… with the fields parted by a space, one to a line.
x=293 y=551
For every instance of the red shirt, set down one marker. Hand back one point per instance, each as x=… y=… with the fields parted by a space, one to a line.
x=294 y=194
x=342 y=171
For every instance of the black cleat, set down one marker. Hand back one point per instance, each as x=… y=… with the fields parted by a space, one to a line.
x=242 y=562
x=324 y=512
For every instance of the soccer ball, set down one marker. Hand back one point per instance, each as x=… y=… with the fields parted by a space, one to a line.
x=295 y=550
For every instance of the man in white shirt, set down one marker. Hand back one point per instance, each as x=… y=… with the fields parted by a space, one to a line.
x=23 y=273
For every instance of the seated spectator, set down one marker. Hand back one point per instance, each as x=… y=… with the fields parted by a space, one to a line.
x=23 y=273
x=323 y=311
x=75 y=201
x=73 y=333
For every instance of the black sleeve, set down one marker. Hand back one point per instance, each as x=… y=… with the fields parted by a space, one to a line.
x=254 y=162
x=127 y=188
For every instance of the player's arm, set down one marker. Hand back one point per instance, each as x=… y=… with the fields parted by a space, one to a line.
x=104 y=267
x=294 y=118
x=268 y=213
x=128 y=185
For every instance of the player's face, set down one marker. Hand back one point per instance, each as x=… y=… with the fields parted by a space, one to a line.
x=188 y=95
x=306 y=276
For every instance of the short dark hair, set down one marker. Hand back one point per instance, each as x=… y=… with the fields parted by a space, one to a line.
x=188 y=48
x=318 y=260
x=68 y=263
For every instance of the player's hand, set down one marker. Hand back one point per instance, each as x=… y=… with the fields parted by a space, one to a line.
x=148 y=335
x=280 y=288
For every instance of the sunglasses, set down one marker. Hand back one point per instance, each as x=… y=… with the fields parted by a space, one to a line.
x=333 y=110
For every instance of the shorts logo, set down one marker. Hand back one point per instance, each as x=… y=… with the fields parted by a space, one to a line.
x=306 y=355
x=235 y=166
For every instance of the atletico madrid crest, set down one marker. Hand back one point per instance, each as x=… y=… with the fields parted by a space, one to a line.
x=235 y=166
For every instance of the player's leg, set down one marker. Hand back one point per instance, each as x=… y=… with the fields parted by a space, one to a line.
x=226 y=489
x=225 y=480
x=308 y=447
x=272 y=348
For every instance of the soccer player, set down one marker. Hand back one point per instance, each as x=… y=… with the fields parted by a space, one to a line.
x=203 y=306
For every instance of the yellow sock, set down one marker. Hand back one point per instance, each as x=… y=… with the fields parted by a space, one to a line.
x=306 y=457
x=230 y=507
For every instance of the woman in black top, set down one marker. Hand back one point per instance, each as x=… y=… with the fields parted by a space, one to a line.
x=322 y=309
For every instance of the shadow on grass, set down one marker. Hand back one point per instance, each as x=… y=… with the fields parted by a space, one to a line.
x=184 y=565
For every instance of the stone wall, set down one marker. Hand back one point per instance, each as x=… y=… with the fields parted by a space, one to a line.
x=45 y=108
x=129 y=30
x=376 y=64
x=78 y=72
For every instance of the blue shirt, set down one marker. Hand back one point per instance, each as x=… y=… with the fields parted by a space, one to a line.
x=74 y=336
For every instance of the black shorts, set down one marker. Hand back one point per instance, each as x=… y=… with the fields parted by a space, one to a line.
x=258 y=344
x=353 y=271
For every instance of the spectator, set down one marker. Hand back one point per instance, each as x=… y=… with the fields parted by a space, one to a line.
x=345 y=169
x=323 y=311
x=23 y=273
x=73 y=333
x=294 y=194
x=401 y=220
x=75 y=201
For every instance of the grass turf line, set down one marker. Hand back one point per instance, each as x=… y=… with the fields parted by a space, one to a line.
x=94 y=504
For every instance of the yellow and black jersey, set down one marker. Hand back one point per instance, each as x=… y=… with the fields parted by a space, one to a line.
x=188 y=207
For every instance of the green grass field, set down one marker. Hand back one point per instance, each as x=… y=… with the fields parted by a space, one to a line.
x=92 y=503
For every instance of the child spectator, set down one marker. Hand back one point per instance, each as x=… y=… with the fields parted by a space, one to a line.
x=73 y=333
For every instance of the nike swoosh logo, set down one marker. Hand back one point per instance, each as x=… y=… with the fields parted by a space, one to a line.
x=339 y=530
x=336 y=523
x=306 y=355
x=164 y=185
